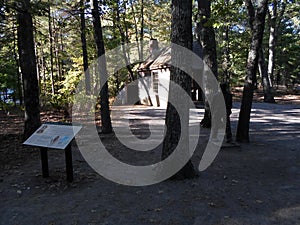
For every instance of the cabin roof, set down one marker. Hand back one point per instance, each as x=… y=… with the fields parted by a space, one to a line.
x=157 y=61
x=161 y=58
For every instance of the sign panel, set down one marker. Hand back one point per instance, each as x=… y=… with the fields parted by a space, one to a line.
x=53 y=136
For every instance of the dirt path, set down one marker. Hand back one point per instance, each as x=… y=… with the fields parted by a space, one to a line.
x=258 y=183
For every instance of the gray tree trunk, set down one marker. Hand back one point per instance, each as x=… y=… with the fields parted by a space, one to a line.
x=267 y=89
x=258 y=23
x=28 y=67
x=104 y=98
x=275 y=21
x=181 y=34
x=208 y=42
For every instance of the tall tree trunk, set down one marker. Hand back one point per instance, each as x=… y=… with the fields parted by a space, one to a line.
x=136 y=29
x=272 y=36
x=84 y=50
x=43 y=70
x=275 y=21
x=142 y=30
x=51 y=51
x=181 y=35
x=57 y=56
x=258 y=23
x=18 y=72
x=262 y=67
x=125 y=22
x=28 y=68
x=207 y=36
x=62 y=49
x=38 y=69
x=139 y=36
x=208 y=42
x=124 y=39
x=104 y=98
x=226 y=61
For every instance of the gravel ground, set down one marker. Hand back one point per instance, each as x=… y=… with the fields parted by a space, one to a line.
x=256 y=183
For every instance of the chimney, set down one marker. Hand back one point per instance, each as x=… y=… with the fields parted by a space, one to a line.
x=153 y=47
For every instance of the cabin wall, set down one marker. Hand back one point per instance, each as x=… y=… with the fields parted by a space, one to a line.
x=163 y=87
x=154 y=89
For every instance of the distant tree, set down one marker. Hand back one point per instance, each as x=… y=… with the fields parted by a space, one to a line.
x=28 y=67
x=104 y=98
x=276 y=12
x=122 y=25
x=287 y=67
x=208 y=42
x=181 y=34
x=242 y=134
x=262 y=65
x=84 y=48
x=265 y=79
x=51 y=39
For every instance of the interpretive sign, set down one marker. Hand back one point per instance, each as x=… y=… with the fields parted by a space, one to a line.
x=53 y=136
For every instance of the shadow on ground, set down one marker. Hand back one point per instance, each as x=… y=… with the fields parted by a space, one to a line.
x=258 y=183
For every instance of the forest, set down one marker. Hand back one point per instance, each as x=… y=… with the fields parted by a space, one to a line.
x=47 y=48
x=64 y=42
x=134 y=163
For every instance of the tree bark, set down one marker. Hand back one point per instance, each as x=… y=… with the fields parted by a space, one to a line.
x=242 y=134
x=124 y=39
x=104 y=97
x=208 y=42
x=226 y=62
x=142 y=30
x=84 y=49
x=57 y=52
x=275 y=21
x=28 y=68
x=18 y=70
x=207 y=36
x=136 y=29
x=181 y=35
x=51 y=51
x=267 y=89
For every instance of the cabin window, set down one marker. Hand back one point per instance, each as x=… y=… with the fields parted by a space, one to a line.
x=155 y=82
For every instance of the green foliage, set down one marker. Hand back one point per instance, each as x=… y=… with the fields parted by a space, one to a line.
x=64 y=96
x=117 y=82
x=7 y=75
x=8 y=63
x=232 y=53
x=232 y=15
x=287 y=63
